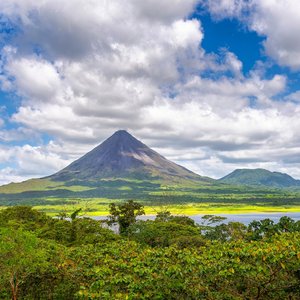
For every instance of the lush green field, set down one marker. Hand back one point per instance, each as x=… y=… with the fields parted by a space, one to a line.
x=180 y=198
x=99 y=207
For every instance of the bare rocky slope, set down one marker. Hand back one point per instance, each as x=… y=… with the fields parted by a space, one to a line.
x=123 y=156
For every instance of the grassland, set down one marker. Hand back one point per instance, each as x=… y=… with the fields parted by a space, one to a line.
x=96 y=209
x=188 y=198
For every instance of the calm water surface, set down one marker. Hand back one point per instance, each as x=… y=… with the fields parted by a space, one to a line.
x=242 y=218
x=249 y=217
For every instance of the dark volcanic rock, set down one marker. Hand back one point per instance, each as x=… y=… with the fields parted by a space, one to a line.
x=123 y=156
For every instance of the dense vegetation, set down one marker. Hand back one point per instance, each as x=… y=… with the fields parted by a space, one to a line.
x=260 y=177
x=95 y=196
x=171 y=257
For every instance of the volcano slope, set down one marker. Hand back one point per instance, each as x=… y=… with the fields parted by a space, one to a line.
x=123 y=168
x=123 y=156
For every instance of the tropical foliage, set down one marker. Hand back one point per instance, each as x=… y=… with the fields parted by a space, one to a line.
x=171 y=257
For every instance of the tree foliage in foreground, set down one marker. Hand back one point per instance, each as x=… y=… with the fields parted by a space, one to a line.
x=239 y=270
x=125 y=214
x=168 y=258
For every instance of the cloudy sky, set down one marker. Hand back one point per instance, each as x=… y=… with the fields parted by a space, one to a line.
x=211 y=84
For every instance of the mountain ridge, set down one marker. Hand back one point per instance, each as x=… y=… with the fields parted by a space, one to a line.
x=122 y=167
x=260 y=177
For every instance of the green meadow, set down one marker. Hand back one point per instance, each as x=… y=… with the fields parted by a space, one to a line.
x=188 y=198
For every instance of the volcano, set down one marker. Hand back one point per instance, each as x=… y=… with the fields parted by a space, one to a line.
x=123 y=156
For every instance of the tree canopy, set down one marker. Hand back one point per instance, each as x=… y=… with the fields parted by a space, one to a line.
x=170 y=257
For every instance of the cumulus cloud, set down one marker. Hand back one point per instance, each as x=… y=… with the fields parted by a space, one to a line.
x=8 y=175
x=226 y=8
x=129 y=54
x=34 y=78
x=84 y=69
x=277 y=21
x=29 y=162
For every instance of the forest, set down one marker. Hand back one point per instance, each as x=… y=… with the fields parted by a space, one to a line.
x=74 y=257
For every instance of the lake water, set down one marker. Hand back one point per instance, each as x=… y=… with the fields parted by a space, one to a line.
x=249 y=217
x=242 y=218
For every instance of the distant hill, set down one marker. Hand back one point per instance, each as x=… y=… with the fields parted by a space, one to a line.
x=260 y=177
x=122 y=167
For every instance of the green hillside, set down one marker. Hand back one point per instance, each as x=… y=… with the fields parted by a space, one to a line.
x=189 y=197
x=39 y=185
x=260 y=177
x=123 y=168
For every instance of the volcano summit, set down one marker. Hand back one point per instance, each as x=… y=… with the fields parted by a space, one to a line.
x=123 y=156
x=122 y=167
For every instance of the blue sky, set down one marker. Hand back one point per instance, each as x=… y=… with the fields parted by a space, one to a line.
x=233 y=36
x=212 y=85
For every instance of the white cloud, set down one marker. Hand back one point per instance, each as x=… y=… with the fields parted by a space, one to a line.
x=5 y=84
x=118 y=71
x=35 y=78
x=276 y=20
x=99 y=66
x=8 y=175
x=226 y=8
x=37 y=161
x=295 y=97
x=279 y=21
x=29 y=162
x=163 y=10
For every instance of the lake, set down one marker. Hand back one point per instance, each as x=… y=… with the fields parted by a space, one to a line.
x=245 y=218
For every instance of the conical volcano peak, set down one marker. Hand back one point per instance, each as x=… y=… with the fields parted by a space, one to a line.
x=122 y=136
x=121 y=132
x=120 y=143
x=122 y=156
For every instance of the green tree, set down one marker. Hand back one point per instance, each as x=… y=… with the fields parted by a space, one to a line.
x=230 y=270
x=125 y=214
x=162 y=234
x=166 y=216
x=227 y=232
x=208 y=220
x=23 y=217
x=73 y=217
x=20 y=256
x=286 y=224
x=163 y=216
x=262 y=229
